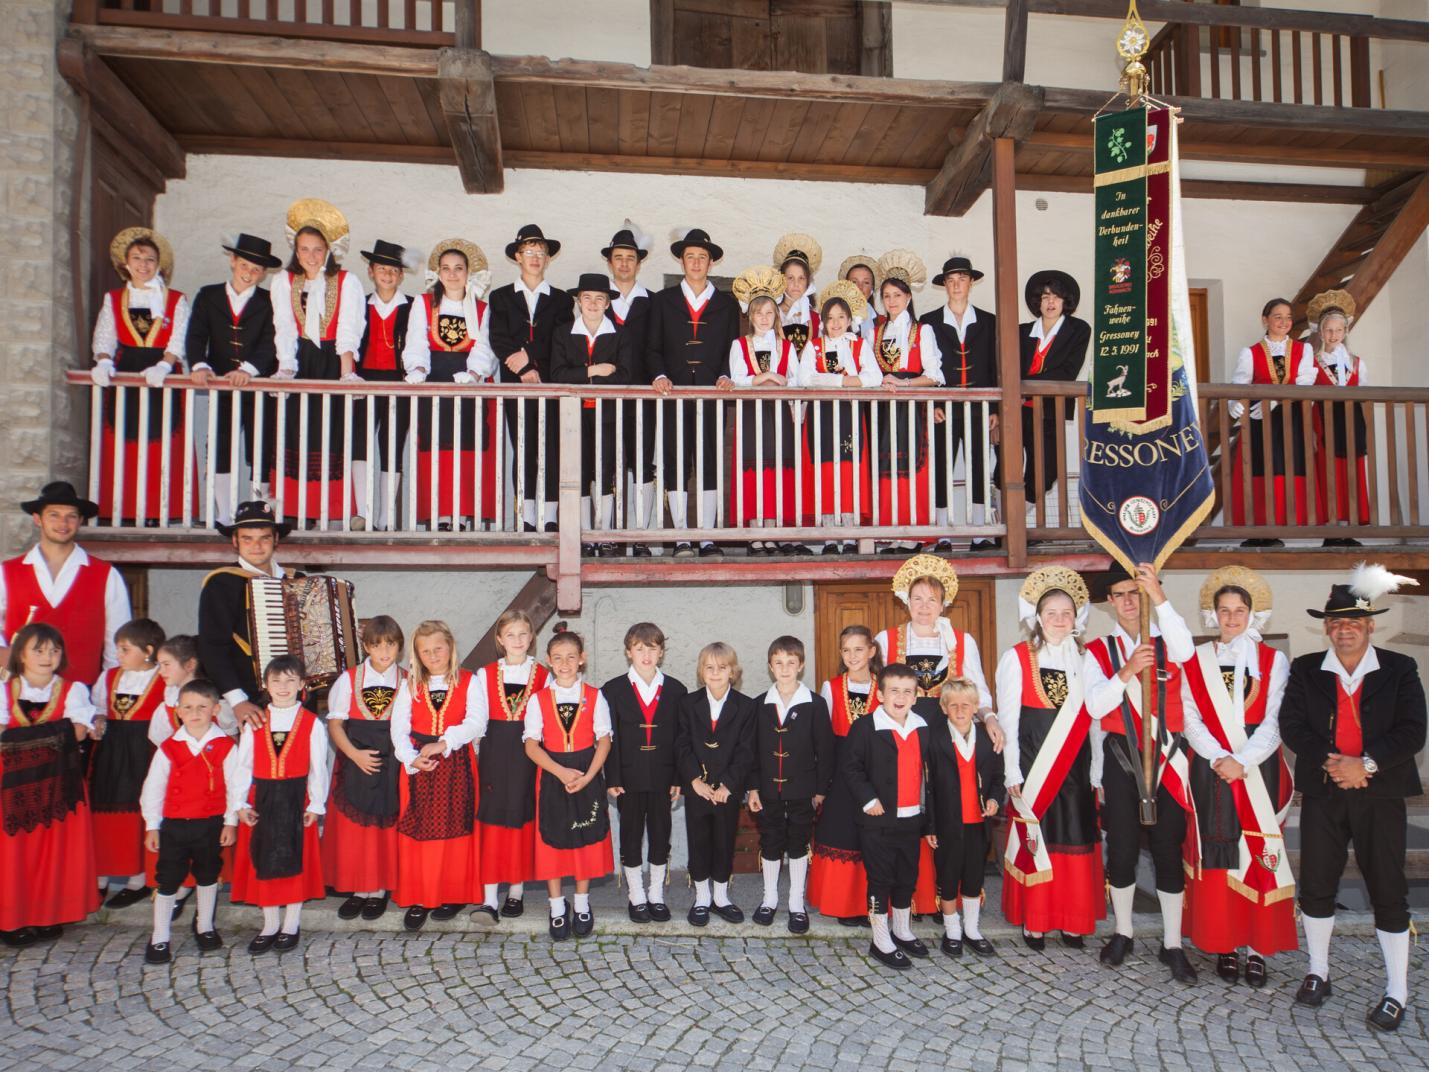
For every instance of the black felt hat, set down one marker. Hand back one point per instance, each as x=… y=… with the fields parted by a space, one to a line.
x=953 y=265
x=697 y=238
x=60 y=493
x=598 y=282
x=1061 y=282
x=388 y=253
x=253 y=249
x=1343 y=603
x=255 y=514
x=624 y=239
x=531 y=233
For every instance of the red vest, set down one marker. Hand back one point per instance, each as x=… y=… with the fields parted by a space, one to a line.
x=355 y=707
x=1349 y=735
x=967 y=787
x=381 y=354
x=913 y=360
x=910 y=769
x=497 y=709
x=196 y=788
x=786 y=349
x=1322 y=378
x=79 y=617
x=434 y=339
x=330 y=328
x=1112 y=722
x=51 y=712
x=838 y=710
x=1032 y=695
x=554 y=737
x=432 y=721
x=159 y=335
x=896 y=653
x=293 y=760
x=143 y=709
x=1259 y=697
x=855 y=352
x=1263 y=365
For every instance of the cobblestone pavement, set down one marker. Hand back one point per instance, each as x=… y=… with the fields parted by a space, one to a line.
x=513 y=1001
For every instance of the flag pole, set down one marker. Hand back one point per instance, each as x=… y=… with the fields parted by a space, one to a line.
x=1148 y=738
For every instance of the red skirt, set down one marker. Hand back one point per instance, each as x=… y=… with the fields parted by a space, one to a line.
x=508 y=854
x=289 y=492
x=169 y=451
x=357 y=857
x=553 y=864
x=47 y=874
x=1217 y=919
x=769 y=492
x=913 y=508
x=440 y=871
x=1265 y=490
x=118 y=842
x=1072 y=901
x=838 y=884
x=248 y=888
x=1342 y=490
x=445 y=469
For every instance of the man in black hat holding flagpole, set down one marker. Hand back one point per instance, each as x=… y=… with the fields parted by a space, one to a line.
x=59 y=583
x=1355 y=719
x=225 y=645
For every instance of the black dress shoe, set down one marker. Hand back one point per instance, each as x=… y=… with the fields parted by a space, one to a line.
x=19 y=938
x=1116 y=949
x=981 y=946
x=1255 y=971
x=943 y=547
x=830 y=548
x=659 y=911
x=512 y=907
x=952 y=947
x=711 y=550
x=125 y=898
x=1037 y=944
x=585 y=923
x=414 y=917
x=798 y=923
x=207 y=941
x=560 y=927
x=447 y=911
x=286 y=943
x=375 y=907
x=684 y=549
x=914 y=947
x=639 y=913
x=1228 y=967
x=261 y=943
x=1386 y=1016
x=896 y=959
x=640 y=550
x=1344 y=542
x=1313 y=991
x=730 y=913
x=157 y=953
x=853 y=921
x=50 y=933
x=488 y=912
x=1175 y=959
x=179 y=906
x=699 y=916
x=1073 y=941
x=764 y=916
x=352 y=907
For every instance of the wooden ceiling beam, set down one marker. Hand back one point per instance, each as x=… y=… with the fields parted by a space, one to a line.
x=230 y=145
x=1267 y=153
x=967 y=170
x=468 y=98
x=120 y=108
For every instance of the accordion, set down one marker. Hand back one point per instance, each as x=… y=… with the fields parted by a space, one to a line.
x=310 y=617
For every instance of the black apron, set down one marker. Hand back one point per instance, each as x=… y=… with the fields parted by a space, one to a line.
x=361 y=798
x=276 y=847
x=508 y=777
x=1070 y=823
x=118 y=763
x=836 y=835
x=573 y=820
x=43 y=773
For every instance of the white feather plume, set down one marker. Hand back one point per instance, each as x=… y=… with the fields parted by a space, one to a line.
x=643 y=241
x=228 y=240
x=678 y=234
x=411 y=259
x=1371 y=581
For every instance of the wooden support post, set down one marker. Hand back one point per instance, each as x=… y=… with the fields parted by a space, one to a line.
x=1014 y=42
x=875 y=57
x=1148 y=737
x=1009 y=358
x=468 y=98
x=966 y=171
x=468 y=23
x=568 y=510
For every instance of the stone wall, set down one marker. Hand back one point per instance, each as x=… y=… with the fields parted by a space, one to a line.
x=39 y=117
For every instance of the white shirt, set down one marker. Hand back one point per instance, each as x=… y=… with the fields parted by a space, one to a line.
x=606 y=328
x=1104 y=693
x=801 y=695
x=339 y=695
x=1302 y=374
x=969 y=319
x=936 y=645
x=536 y=723
x=77 y=707
x=882 y=720
x=697 y=300
x=55 y=587
x=129 y=683
x=932 y=357
x=1262 y=742
x=351 y=316
x=532 y=296
x=156 y=782
x=647 y=693
x=1041 y=334
x=1064 y=657
x=768 y=343
x=472 y=727
x=717 y=705
x=966 y=746
x=155 y=299
x=511 y=673
x=384 y=308
x=282 y=720
x=237 y=303
x=1368 y=664
x=417 y=350
x=621 y=305
x=867 y=370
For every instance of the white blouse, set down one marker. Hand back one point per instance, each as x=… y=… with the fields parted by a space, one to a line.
x=339 y=695
x=935 y=645
x=77 y=707
x=153 y=298
x=866 y=369
x=1262 y=742
x=932 y=357
x=739 y=368
x=471 y=728
x=1301 y=375
x=129 y=683
x=417 y=351
x=535 y=722
x=1064 y=657
x=351 y=316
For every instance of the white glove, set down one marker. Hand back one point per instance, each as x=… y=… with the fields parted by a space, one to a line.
x=154 y=374
x=352 y=377
x=102 y=375
x=286 y=374
x=463 y=377
x=416 y=376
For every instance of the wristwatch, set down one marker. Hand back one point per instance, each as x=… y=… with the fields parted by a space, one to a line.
x=1370 y=766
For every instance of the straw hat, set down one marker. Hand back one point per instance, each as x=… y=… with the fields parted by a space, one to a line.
x=860 y=260
x=761 y=281
x=1238 y=577
x=920 y=566
x=799 y=247
x=903 y=264
x=1330 y=299
x=125 y=238
x=842 y=288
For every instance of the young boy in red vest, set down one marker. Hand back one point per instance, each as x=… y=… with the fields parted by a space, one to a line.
x=188 y=817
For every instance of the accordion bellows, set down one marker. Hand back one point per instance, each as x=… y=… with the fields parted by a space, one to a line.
x=310 y=617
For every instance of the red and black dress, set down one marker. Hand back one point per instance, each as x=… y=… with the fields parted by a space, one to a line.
x=838 y=885
x=282 y=773
x=46 y=848
x=1267 y=489
x=118 y=763
x=1351 y=437
x=507 y=813
x=438 y=846
x=142 y=336
x=836 y=446
x=902 y=449
x=572 y=829
x=763 y=445
x=359 y=841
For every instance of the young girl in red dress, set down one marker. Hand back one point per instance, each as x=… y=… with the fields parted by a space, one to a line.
x=279 y=791
x=434 y=717
x=125 y=701
x=46 y=849
x=568 y=736
x=838 y=885
x=359 y=842
x=506 y=815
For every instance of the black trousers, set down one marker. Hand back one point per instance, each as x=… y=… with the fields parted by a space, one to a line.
x=607 y=451
x=188 y=845
x=223 y=437
x=1376 y=828
x=644 y=812
x=785 y=827
x=890 y=860
x=975 y=457
x=536 y=447
x=1121 y=819
x=711 y=835
x=960 y=871
x=680 y=456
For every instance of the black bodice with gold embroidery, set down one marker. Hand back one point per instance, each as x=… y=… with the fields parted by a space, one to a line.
x=1228 y=676
x=798 y=334
x=377 y=699
x=1054 y=685
x=451 y=329
x=1069 y=824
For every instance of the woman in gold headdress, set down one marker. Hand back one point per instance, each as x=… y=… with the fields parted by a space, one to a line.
x=1332 y=313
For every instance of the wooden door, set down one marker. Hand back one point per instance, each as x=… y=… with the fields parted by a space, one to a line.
x=1201 y=332
x=814 y=36
x=121 y=195
x=838 y=604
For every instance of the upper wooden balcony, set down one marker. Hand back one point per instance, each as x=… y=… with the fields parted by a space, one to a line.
x=407 y=80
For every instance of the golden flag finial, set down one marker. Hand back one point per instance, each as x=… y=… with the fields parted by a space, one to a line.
x=1131 y=44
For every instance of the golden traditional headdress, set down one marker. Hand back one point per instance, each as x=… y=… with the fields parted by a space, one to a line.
x=920 y=566
x=864 y=260
x=475 y=258
x=322 y=216
x=761 y=281
x=1054 y=579
x=799 y=247
x=1239 y=577
x=842 y=288
x=903 y=264
x=125 y=238
x=1341 y=299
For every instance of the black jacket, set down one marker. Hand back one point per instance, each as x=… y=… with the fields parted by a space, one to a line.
x=724 y=758
x=690 y=358
x=1064 y=360
x=870 y=769
x=629 y=765
x=795 y=760
x=945 y=789
x=1391 y=715
x=513 y=328
x=214 y=340
x=225 y=647
x=982 y=348
x=569 y=363
x=637 y=326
